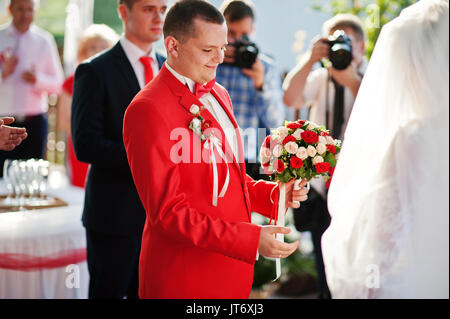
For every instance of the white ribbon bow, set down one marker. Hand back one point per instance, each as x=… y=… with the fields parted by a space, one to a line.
x=211 y=143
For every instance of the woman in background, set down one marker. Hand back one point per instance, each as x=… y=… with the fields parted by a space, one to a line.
x=95 y=39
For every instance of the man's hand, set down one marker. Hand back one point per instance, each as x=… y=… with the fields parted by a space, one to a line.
x=293 y=197
x=256 y=73
x=319 y=50
x=9 y=66
x=29 y=77
x=271 y=247
x=10 y=137
x=348 y=77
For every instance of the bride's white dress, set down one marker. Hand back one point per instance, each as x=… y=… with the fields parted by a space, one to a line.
x=389 y=234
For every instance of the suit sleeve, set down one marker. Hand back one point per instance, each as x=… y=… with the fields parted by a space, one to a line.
x=263 y=196
x=88 y=122
x=157 y=179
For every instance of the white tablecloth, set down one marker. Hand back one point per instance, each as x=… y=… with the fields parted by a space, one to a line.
x=43 y=233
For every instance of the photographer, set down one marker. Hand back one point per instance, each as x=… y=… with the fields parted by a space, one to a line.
x=329 y=92
x=252 y=81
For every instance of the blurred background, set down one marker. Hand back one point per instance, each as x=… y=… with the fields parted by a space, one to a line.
x=284 y=30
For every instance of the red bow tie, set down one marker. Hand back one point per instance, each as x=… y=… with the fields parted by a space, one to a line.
x=199 y=90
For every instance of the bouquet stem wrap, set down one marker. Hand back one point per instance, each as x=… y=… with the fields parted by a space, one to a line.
x=280 y=222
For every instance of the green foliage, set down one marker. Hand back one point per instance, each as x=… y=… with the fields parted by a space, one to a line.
x=105 y=11
x=373 y=13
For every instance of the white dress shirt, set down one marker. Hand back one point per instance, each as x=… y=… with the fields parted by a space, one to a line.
x=214 y=107
x=134 y=53
x=36 y=51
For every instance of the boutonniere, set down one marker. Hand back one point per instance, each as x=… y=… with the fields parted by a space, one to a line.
x=198 y=124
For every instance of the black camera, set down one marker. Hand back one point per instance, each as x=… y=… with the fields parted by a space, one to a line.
x=246 y=53
x=340 y=54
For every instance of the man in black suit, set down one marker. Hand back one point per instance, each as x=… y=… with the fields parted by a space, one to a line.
x=104 y=87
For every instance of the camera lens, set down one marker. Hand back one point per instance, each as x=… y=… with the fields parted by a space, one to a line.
x=340 y=55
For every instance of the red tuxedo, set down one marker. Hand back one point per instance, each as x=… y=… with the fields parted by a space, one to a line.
x=190 y=249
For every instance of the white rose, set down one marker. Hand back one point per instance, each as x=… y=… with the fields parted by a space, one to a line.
x=317 y=159
x=302 y=153
x=297 y=134
x=194 y=109
x=330 y=140
x=311 y=126
x=283 y=131
x=196 y=126
x=265 y=154
x=291 y=147
x=277 y=150
x=323 y=140
x=321 y=148
x=311 y=150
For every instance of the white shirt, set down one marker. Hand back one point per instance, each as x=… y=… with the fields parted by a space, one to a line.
x=214 y=107
x=36 y=51
x=134 y=53
x=315 y=94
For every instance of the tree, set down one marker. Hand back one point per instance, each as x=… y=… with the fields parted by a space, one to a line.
x=373 y=13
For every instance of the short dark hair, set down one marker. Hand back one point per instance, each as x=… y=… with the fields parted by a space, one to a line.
x=236 y=10
x=179 y=21
x=128 y=3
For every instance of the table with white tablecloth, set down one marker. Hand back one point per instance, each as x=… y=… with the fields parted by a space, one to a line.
x=43 y=251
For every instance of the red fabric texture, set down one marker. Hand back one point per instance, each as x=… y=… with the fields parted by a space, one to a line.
x=25 y=262
x=78 y=170
x=190 y=249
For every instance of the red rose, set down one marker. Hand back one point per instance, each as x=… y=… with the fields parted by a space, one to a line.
x=294 y=126
x=301 y=122
x=267 y=171
x=331 y=170
x=323 y=133
x=288 y=139
x=279 y=166
x=266 y=164
x=310 y=137
x=322 y=167
x=331 y=148
x=327 y=185
x=296 y=162
x=267 y=141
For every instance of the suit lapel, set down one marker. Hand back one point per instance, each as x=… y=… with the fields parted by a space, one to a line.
x=124 y=65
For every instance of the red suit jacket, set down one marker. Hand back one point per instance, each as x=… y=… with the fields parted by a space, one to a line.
x=190 y=248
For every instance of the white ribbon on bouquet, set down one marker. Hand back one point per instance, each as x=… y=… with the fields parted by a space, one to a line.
x=214 y=143
x=281 y=220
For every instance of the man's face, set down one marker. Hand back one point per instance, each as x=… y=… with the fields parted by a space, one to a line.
x=198 y=57
x=22 y=12
x=144 y=21
x=358 y=46
x=239 y=28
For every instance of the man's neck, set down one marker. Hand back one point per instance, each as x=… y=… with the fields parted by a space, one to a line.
x=20 y=30
x=144 y=46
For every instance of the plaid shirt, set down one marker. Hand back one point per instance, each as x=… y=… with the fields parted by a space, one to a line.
x=254 y=109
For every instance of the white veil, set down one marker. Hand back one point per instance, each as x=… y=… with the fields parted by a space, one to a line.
x=389 y=234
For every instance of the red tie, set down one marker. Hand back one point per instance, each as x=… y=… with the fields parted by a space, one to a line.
x=147 y=62
x=199 y=90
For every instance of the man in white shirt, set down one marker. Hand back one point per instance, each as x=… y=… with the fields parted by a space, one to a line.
x=329 y=93
x=104 y=86
x=30 y=70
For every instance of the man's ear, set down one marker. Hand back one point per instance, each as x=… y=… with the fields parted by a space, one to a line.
x=122 y=10
x=172 y=46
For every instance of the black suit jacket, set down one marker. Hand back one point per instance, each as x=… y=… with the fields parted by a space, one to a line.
x=104 y=87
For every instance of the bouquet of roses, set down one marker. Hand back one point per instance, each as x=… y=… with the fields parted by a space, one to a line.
x=300 y=149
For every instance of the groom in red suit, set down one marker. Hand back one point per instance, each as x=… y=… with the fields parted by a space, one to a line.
x=197 y=242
